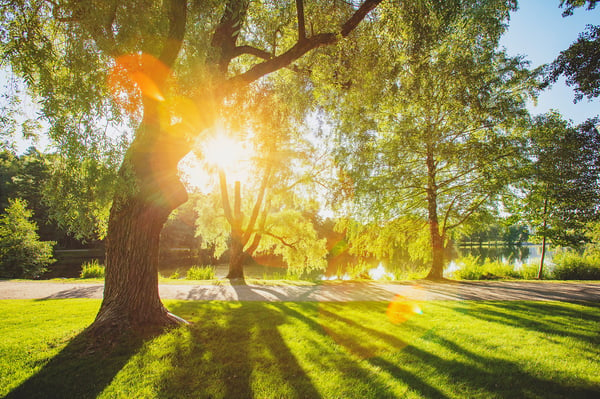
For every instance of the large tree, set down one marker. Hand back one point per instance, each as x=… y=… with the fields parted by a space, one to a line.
x=169 y=66
x=441 y=136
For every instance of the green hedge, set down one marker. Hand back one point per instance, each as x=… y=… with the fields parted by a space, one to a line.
x=571 y=265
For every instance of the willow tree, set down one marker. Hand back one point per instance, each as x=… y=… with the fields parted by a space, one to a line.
x=442 y=134
x=258 y=205
x=164 y=67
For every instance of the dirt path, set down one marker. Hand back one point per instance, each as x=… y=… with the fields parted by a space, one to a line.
x=340 y=292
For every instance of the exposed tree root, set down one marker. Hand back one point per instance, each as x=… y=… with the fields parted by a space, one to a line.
x=108 y=332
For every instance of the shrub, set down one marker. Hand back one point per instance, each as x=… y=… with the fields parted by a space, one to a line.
x=571 y=265
x=200 y=273
x=530 y=271
x=22 y=254
x=471 y=268
x=92 y=269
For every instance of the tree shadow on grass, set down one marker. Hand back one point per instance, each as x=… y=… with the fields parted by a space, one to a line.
x=550 y=318
x=78 y=371
x=488 y=376
x=278 y=349
x=238 y=354
x=449 y=369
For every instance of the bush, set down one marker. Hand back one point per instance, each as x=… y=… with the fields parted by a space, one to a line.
x=571 y=265
x=530 y=271
x=92 y=269
x=200 y=273
x=471 y=268
x=22 y=254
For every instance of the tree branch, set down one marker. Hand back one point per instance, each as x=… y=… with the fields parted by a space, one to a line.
x=280 y=239
x=265 y=55
x=257 y=204
x=225 y=197
x=301 y=48
x=261 y=227
x=358 y=16
x=301 y=23
x=239 y=50
x=228 y=30
x=177 y=24
x=447 y=215
x=473 y=208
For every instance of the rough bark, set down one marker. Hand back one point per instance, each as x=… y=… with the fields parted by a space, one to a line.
x=131 y=299
x=437 y=245
x=152 y=191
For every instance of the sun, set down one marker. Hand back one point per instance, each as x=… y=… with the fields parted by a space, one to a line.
x=218 y=152
x=225 y=152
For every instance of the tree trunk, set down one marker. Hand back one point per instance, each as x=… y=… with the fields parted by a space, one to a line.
x=151 y=190
x=545 y=225
x=437 y=248
x=437 y=244
x=236 y=258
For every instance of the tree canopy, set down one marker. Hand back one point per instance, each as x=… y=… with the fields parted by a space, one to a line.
x=580 y=63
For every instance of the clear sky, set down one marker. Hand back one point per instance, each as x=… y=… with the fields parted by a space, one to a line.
x=538 y=31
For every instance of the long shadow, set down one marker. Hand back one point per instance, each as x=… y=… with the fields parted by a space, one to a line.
x=354 y=374
x=77 y=371
x=226 y=356
x=465 y=370
x=497 y=378
x=539 y=316
x=523 y=291
x=79 y=292
x=414 y=382
x=246 y=351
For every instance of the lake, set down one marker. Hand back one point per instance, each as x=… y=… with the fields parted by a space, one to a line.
x=517 y=255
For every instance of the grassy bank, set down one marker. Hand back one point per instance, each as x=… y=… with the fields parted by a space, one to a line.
x=327 y=350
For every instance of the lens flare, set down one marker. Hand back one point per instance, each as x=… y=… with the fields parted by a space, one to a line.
x=179 y=117
x=402 y=308
x=134 y=76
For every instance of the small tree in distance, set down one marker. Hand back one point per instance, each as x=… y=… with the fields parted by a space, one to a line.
x=22 y=254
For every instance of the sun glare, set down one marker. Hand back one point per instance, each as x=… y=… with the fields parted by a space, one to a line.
x=225 y=152
x=219 y=151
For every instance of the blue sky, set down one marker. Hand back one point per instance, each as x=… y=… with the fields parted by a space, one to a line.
x=538 y=31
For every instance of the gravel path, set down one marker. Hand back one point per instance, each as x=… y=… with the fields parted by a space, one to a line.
x=339 y=292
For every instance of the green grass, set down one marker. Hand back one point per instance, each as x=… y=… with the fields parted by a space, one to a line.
x=297 y=350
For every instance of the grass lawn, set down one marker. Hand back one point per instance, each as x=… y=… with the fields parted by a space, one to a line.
x=310 y=350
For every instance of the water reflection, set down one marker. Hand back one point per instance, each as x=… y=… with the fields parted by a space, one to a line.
x=517 y=255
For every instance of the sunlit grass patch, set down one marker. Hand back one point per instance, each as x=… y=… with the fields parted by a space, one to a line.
x=328 y=350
